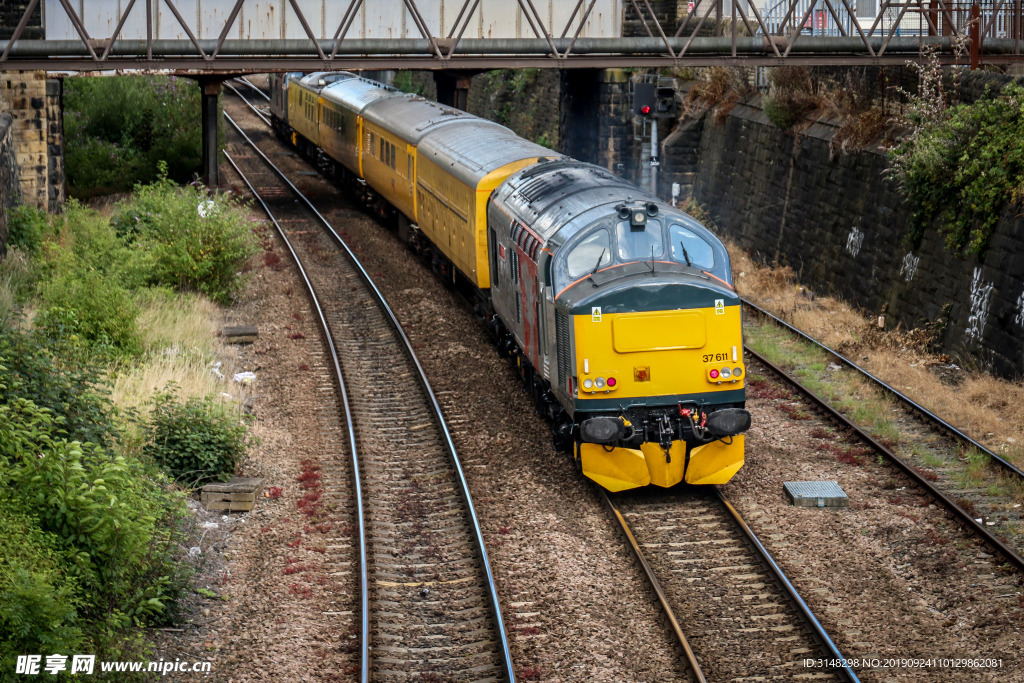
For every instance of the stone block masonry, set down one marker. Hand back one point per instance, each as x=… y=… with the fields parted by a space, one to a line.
x=842 y=226
x=10 y=185
x=34 y=104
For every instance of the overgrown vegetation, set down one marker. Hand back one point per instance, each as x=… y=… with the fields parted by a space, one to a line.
x=191 y=242
x=118 y=129
x=196 y=441
x=960 y=164
x=92 y=528
x=792 y=95
x=717 y=89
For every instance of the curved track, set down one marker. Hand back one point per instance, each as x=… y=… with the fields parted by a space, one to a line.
x=744 y=620
x=429 y=603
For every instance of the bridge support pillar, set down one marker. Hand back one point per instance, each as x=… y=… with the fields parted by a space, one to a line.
x=210 y=89
x=452 y=89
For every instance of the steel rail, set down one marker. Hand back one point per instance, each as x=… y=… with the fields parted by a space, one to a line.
x=892 y=390
x=349 y=425
x=258 y=90
x=247 y=102
x=788 y=587
x=965 y=516
x=424 y=382
x=691 y=658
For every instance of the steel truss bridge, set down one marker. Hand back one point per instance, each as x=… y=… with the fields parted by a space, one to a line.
x=214 y=37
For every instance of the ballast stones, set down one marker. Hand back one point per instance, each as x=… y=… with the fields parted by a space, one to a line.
x=816 y=494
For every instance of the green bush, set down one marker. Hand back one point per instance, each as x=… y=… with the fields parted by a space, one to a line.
x=197 y=441
x=113 y=523
x=28 y=227
x=792 y=95
x=964 y=168
x=86 y=310
x=75 y=391
x=187 y=250
x=118 y=129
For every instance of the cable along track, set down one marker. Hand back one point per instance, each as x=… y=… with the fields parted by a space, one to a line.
x=430 y=605
x=743 y=618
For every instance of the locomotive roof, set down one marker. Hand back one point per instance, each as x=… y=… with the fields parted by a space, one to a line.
x=357 y=93
x=553 y=194
x=411 y=116
x=472 y=148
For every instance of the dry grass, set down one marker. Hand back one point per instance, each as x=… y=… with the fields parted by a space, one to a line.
x=989 y=409
x=179 y=335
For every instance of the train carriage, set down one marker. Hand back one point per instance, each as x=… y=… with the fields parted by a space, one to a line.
x=458 y=168
x=341 y=131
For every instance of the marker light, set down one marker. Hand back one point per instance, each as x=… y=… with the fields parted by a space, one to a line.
x=714 y=374
x=599 y=382
x=726 y=373
x=611 y=381
x=588 y=383
x=737 y=372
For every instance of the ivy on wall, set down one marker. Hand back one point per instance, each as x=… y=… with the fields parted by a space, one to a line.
x=962 y=166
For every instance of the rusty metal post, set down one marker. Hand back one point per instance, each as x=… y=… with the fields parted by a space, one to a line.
x=210 y=93
x=932 y=5
x=975 y=36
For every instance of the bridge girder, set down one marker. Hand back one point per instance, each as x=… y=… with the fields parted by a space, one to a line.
x=781 y=32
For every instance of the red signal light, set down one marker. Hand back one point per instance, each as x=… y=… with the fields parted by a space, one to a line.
x=611 y=381
x=714 y=374
x=645 y=109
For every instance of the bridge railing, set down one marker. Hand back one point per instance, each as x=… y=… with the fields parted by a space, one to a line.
x=207 y=37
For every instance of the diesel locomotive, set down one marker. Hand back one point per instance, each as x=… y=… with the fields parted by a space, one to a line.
x=618 y=308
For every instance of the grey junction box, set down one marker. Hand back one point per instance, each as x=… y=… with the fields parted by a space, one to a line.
x=816 y=494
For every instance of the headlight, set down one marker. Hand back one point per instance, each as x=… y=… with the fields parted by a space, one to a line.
x=726 y=373
x=737 y=372
x=588 y=384
x=599 y=382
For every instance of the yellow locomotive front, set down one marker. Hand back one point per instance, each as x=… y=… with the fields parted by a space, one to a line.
x=622 y=312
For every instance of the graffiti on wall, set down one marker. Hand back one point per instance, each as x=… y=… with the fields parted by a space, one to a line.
x=853 y=241
x=981 y=296
x=1020 y=310
x=909 y=268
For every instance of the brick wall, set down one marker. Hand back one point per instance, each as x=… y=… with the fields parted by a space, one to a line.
x=841 y=225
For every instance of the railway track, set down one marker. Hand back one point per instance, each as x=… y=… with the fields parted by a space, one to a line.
x=933 y=453
x=743 y=619
x=429 y=605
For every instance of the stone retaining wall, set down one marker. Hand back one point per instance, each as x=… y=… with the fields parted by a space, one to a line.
x=842 y=226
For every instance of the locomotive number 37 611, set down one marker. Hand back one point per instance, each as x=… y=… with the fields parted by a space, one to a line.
x=715 y=357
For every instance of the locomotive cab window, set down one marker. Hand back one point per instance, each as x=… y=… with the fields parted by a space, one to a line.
x=685 y=244
x=593 y=253
x=636 y=245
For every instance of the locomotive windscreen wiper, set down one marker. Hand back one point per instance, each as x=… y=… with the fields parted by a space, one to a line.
x=685 y=255
x=599 y=258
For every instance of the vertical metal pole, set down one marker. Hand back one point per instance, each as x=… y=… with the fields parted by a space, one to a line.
x=210 y=93
x=975 y=36
x=654 y=156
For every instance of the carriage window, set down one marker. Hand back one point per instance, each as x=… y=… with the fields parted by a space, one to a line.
x=590 y=254
x=700 y=252
x=373 y=142
x=639 y=244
